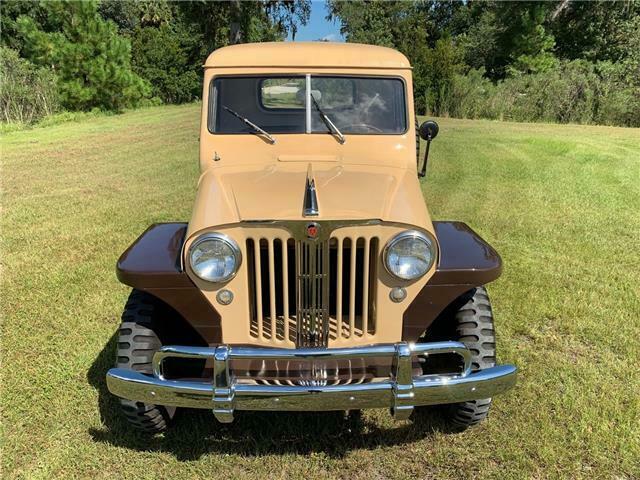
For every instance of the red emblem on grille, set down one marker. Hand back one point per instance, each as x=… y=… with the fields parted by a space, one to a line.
x=312 y=230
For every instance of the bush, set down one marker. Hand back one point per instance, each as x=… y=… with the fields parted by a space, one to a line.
x=472 y=96
x=619 y=100
x=560 y=95
x=573 y=92
x=27 y=93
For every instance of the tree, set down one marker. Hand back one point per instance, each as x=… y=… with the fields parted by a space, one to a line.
x=162 y=56
x=92 y=63
x=480 y=40
x=130 y=14
x=443 y=62
x=531 y=43
x=255 y=21
x=524 y=44
x=420 y=30
x=9 y=13
x=170 y=40
x=593 y=31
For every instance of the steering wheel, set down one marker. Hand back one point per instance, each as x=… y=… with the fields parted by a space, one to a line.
x=357 y=126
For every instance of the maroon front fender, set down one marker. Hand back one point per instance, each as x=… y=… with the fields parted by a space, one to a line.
x=152 y=264
x=466 y=262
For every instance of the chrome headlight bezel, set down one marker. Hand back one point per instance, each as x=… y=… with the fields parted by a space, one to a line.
x=424 y=237
x=220 y=237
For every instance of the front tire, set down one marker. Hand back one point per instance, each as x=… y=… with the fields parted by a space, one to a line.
x=474 y=328
x=469 y=321
x=138 y=340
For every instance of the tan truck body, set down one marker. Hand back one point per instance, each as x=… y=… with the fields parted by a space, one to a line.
x=312 y=318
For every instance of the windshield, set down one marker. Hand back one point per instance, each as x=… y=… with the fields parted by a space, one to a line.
x=308 y=104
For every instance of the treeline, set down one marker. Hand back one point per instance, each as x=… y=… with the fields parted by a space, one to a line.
x=117 y=54
x=556 y=61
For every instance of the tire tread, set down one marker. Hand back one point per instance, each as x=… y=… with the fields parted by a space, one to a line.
x=137 y=342
x=474 y=328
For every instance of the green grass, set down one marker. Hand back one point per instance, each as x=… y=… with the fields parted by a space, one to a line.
x=560 y=203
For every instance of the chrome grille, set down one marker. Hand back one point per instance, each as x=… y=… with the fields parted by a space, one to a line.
x=272 y=292
x=312 y=272
x=311 y=293
x=354 y=287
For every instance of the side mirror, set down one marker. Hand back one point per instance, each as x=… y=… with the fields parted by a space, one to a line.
x=429 y=130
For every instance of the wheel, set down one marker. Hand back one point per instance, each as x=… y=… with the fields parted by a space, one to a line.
x=474 y=328
x=469 y=321
x=138 y=340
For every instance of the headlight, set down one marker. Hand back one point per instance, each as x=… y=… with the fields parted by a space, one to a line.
x=409 y=255
x=214 y=257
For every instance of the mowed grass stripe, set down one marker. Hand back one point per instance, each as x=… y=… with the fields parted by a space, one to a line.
x=560 y=203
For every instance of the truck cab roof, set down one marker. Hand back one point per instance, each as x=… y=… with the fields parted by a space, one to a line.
x=307 y=54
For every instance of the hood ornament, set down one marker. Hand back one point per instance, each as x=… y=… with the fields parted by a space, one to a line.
x=310 y=206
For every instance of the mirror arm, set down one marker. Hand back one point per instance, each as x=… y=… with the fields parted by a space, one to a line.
x=423 y=172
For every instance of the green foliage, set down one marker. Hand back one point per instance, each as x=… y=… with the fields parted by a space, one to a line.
x=442 y=63
x=130 y=14
x=502 y=59
x=9 y=13
x=161 y=56
x=220 y=23
x=28 y=93
x=414 y=28
x=532 y=44
x=472 y=96
x=594 y=31
x=91 y=61
x=170 y=40
x=523 y=41
x=478 y=59
x=576 y=92
x=480 y=41
x=88 y=44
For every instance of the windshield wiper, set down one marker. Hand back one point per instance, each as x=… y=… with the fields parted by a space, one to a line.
x=251 y=124
x=327 y=121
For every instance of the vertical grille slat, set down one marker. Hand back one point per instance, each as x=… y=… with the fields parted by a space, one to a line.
x=311 y=293
x=258 y=289
x=372 y=278
x=352 y=287
x=365 y=286
x=272 y=288
x=285 y=287
x=313 y=297
x=339 y=288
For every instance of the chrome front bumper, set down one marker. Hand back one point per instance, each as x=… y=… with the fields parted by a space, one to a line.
x=401 y=392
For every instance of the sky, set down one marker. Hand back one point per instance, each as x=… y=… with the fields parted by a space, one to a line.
x=318 y=27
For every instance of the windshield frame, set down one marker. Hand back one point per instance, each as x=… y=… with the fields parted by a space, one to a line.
x=212 y=101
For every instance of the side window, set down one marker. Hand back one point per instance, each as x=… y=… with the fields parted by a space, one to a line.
x=283 y=93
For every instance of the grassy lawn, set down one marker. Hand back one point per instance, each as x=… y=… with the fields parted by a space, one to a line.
x=560 y=203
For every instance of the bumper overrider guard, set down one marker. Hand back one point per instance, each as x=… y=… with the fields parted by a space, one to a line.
x=401 y=391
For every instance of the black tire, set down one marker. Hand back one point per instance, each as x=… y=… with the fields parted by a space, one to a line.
x=474 y=328
x=137 y=342
x=468 y=320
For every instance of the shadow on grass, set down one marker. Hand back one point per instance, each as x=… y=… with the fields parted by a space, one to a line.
x=194 y=433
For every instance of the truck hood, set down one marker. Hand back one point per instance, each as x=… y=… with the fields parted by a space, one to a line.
x=277 y=192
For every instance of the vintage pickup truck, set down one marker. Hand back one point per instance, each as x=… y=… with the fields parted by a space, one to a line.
x=310 y=276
